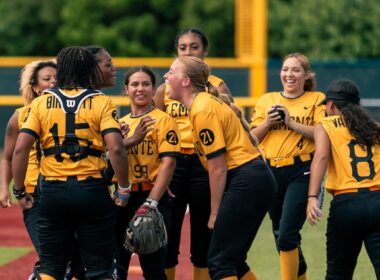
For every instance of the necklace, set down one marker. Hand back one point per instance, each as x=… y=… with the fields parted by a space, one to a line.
x=150 y=108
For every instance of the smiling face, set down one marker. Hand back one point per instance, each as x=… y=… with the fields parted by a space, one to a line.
x=190 y=44
x=293 y=76
x=140 y=89
x=174 y=78
x=46 y=78
x=105 y=64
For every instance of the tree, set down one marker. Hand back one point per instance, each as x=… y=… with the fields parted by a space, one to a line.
x=325 y=29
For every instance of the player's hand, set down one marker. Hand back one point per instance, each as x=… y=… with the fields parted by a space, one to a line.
x=148 y=205
x=5 y=197
x=144 y=126
x=211 y=221
x=124 y=129
x=313 y=212
x=277 y=114
x=121 y=196
x=26 y=202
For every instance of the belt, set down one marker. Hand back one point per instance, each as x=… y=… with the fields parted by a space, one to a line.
x=78 y=177
x=280 y=162
x=356 y=190
x=142 y=187
x=187 y=151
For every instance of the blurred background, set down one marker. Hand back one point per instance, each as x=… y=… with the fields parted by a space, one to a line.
x=247 y=38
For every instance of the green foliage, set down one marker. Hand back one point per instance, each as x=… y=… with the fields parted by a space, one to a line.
x=322 y=29
x=28 y=27
x=325 y=29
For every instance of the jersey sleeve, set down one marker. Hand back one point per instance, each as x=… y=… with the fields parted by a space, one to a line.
x=320 y=109
x=209 y=133
x=259 y=114
x=31 y=124
x=109 y=118
x=168 y=138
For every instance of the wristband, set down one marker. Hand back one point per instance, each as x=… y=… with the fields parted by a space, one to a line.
x=151 y=202
x=309 y=196
x=125 y=189
x=19 y=193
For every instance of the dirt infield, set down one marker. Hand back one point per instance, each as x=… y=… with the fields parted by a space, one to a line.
x=13 y=234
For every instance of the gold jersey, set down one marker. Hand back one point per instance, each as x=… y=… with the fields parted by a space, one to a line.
x=32 y=172
x=162 y=141
x=280 y=141
x=95 y=117
x=179 y=112
x=350 y=165
x=217 y=130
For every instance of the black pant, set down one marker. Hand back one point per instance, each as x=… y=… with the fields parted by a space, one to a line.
x=288 y=212
x=354 y=218
x=31 y=219
x=81 y=207
x=190 y=185
x=249 y=193
x=153 y=265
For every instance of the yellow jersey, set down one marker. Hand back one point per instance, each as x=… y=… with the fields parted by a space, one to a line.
x=178 y=111
x=32 y=172
x=280 y=141
x=162 y=141
x=95 y=117
x=350 y=165
x=217 y=130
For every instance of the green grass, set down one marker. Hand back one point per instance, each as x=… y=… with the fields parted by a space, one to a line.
x=265 y=262
x=8 y=254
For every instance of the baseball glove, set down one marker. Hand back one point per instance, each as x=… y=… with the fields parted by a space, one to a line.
x=146 y=233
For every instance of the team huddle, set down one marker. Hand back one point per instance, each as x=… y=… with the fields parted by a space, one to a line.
x=96 y=188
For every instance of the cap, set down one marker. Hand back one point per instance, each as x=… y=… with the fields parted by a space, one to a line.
x=343 y=90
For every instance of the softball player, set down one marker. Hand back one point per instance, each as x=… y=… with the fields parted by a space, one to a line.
x=284 y=123
x=74 y=123
x=35 y=78
x=151 y=166
x=347 y=144
x=242 y=186
x=189 y=186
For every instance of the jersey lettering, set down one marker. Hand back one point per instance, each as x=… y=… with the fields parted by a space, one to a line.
x=339 y=122
x=365 y=159
x=176 y=110
x=143 y=148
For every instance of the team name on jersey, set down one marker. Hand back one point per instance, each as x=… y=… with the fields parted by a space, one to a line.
x=144 y=148
x=303 y=120
x=53 y=102
x=176 y=110
x=339 y=122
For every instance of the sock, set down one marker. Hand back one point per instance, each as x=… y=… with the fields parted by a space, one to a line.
x=289 y=264
x=249 y=276
x=170 y=273
x=200 y=273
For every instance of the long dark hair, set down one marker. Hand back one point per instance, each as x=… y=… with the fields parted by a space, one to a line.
x=345 y=95
x=77 y=68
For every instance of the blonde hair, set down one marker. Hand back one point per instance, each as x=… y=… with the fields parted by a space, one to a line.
x=29 y=78
x=197 y=70
x=310 y=83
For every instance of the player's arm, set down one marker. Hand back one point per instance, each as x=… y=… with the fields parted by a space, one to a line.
x=10 y=139
x=164 y=177
x=262 y=129
x=217 y=170
x=20 y=159
x=317 y=172
x=159 y=97
x=118 y=157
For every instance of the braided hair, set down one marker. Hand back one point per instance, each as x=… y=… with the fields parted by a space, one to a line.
x=345 y=95
x=77 y=68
